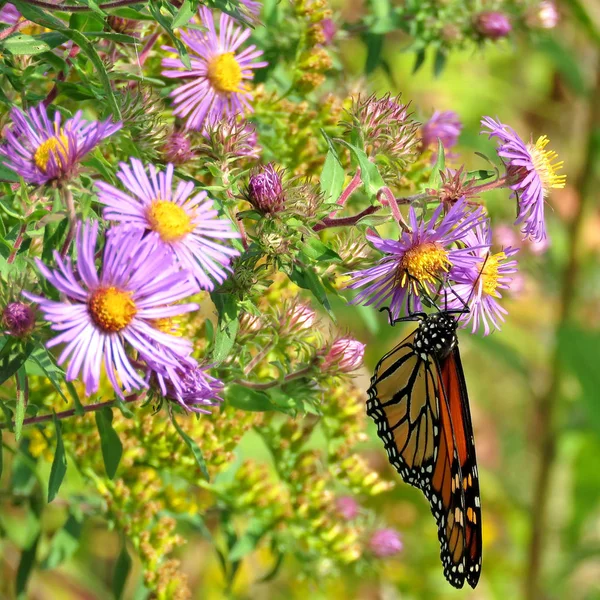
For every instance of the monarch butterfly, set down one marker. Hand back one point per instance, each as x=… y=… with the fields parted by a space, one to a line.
x=418 y=400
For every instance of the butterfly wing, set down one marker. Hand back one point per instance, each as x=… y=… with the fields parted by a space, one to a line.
x=453 y=384
x=414 y=413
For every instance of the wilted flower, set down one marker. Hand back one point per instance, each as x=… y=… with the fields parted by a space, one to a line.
x=480 y=285
x=18 y=318
x=178 y=149
x=187 y=227
x=455 y=184
x=418 y=261
x=544 y=16
x=265 y=189
x=137 y=284
x=193 y=388
x=386 y=127
x=443 y=125
x=218 y=75
x=40 y=150
x=385 y=542
x=493 y=25
x=532 y=173
x=347 y=507
x=346 y=355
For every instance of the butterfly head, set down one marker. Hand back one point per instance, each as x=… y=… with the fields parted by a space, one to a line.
x=437 y=335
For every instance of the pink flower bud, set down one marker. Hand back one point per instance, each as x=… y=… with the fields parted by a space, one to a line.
x=265 y=190
x=177 y=150
x=346 y=354
x=493 y=25
x=302 y=317
x=385 y=542
x=18 y=318
x=543 y=16
x=347 y=507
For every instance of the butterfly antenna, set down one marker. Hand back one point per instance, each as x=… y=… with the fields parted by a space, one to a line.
x=390 y=315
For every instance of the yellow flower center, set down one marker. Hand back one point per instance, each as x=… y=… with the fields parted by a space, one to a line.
x=423 y=264
x=545 y=165
x=169 y=220
x=170 y=325
x=225 y=73
x=57 y=146
x=490 y=275
x=112 y=309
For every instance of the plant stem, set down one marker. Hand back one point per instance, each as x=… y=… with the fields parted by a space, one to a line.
x=545 y=405
x=70 y=412
x=67 y=198
x=271 y=384
x=486 y=187
x=18 y=242
x=385 y=196
x=14 y=28
x=67 y=8
x=354 y=184
x=345 y=221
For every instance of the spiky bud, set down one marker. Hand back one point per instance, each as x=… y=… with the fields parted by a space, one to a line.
x=346 y=355
x=492 y=24
x=385 y=542
x=178 y=149
x=265 y=190
x=18 y=318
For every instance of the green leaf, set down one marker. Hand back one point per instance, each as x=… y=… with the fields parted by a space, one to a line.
x=23 y=45
x=75 y=397
x=374 y=43
x=435 y=178
x=248 y=541
x=419 y=60
x=64 y=543
x=439 y=62
x=12 y=357
x=195 y=449
x=315 y=249
x=41 y=357
x=227 y=326
x=167 y=26
x=566 y=63
x=332 y=177
x=25 y=568
x=245 y=398
x=111 y=446
x=1 y=457
x=122 y=570
x=480 y=174
x=307 y=278
x=185 y=13
x=59 y=464
x=22 y=396
x=369 y=173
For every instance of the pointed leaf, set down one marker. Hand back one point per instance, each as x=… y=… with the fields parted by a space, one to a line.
x=59 y=464
x=332 y=177
x=369 y=172
x=122 y=570
x=191 y=444
x=26 y=565
x=435 y=178
x=112 y=449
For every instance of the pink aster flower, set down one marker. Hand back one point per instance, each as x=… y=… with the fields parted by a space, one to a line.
x=480 y=285
x=219 y=75
x=492 y=24
x=417 y=262
x=186 y=225
x=532 y=173
x=104 y=311
x=385 y=542
x=347 y=507
x=42 y=150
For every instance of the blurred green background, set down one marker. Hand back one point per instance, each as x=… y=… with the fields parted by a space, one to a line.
x=534 y=387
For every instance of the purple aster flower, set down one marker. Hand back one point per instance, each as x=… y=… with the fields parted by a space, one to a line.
x=41 y=150
x=347 y=507
x=186 y=225
x=493 y=25
x=18 y=318
x=345 y=355
x=443 y=125
x=480 y=285
x=385 y=542
x=9 y=14
x=193 y=388
x=136 y=286
x=531 y=170
x=219 y=74
x=418 y=261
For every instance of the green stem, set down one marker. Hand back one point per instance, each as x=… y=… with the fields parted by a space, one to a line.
x=271 y=384
x=546 y=404
x=67 y=8
x=67 y=198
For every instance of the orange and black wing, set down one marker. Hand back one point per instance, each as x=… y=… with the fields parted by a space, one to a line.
x=453 y=385
x=414 y=403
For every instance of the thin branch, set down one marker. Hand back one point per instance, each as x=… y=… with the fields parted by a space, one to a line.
x=69 y=8
x=271 y=384
x=386 y=194
x=345 y=221
x=14 y=28
x=18 y=242
x=71 y=412
x=354 y=184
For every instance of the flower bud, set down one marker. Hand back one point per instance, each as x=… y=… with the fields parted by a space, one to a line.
x=18 y=318
x=177 y=150
x=346 y=354
x=347 y=507
x=492 y=25
x=265 y=190
x=543 y=16
x=301 y=317
x=385 y=542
